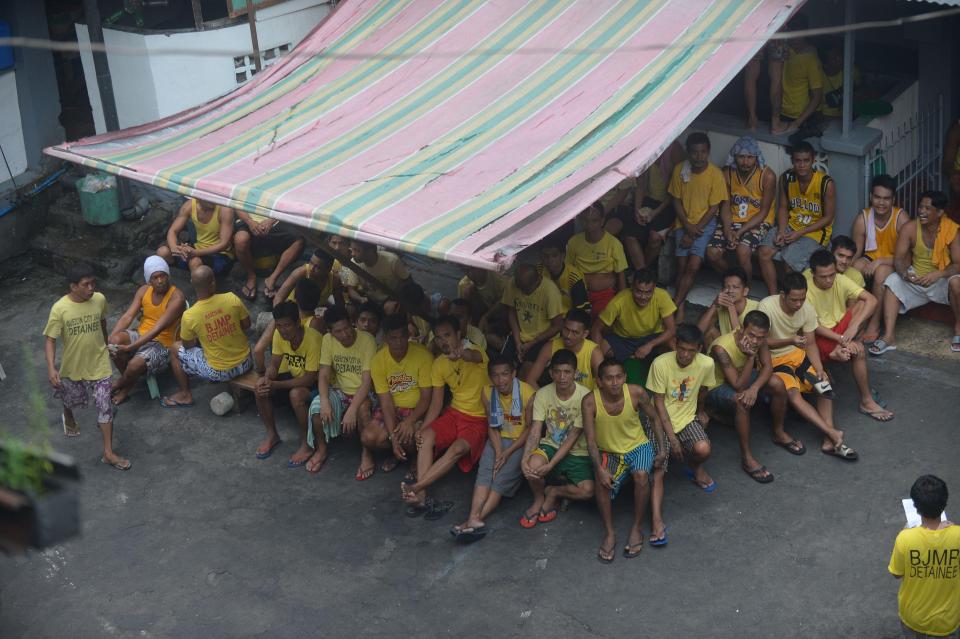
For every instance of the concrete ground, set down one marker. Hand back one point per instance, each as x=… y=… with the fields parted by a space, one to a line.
x=200 y=539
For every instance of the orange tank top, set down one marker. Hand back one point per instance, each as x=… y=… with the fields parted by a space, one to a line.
x=152 y=313
x=886 y=236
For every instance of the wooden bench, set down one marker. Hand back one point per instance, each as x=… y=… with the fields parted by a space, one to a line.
x=239 y=387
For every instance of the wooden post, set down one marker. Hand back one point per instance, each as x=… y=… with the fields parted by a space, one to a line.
x=252 y=20
x=197 y=14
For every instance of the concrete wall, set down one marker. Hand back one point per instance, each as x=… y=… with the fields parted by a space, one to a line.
x=11 y=127
x=160 y=82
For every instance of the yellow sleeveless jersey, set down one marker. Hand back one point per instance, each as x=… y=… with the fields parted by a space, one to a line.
x=886 y=236
x=745 y=197
x=806 y=207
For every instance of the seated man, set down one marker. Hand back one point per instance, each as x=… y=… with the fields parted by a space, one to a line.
x=369 y=320
x=726 y=313
x=600 y=257
x=746 y=215
x=927 y=265
x=385 y=267
x=307 y=296
x=146 y=349
x=78 y=320
x=214 y=235
x=679 y=382
x=573 y=337
x=484 y=290
x=460 y=431
x=844 y=250
x=415 y=304
x=744 y=367
x=559 y=453
x=637 y=321
x=698 y=190
x=258 y=236
x=509 y=404
x=875 y=231
x=345 y=401
x=569 y=279
x=290 y=375
x=318 y=270
x=806 y=203
x=842 y=309
x=213 y=339
x=535 y=313
x=619 y=447
x=463 y=311
x=797 y=369
x=402 y=378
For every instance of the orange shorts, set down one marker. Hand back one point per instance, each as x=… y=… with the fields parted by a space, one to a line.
x=793 y=359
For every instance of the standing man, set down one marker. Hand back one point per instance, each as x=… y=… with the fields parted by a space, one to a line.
x=459 y=433
x=535 y=313
x=600 y=257
x=146 y=350
x=806 y=203
x=926 y=561
x=214 y=234
x=698 y=190
x=619 y=447
x=802 y=83
x=292 y=371
x=213 y=340
x=258 y=236
x=637 y=320
x=573 y=337
x=726 y=313
x=927 y=270
x=78 y=320
x=747 y=213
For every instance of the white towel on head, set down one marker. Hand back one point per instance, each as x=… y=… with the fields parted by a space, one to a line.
x=154 y=264
x=871 y=242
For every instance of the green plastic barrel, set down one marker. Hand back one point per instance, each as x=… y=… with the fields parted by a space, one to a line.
x=100 y=208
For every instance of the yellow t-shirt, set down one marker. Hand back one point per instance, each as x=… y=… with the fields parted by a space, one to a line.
x=629 y=320
x=802 y=74
x=704 y=190
x=929 y=595
x=560 y=417
x=723 y=316
x=79 y=329
x=348 y=363
x=807 y=207
x=833 y=92
x=534 y=311
x=513 y=426
x=403 y=379
x=728 y=342
x=584 y=375
x=215 y=323
x=618 y=433
x=783 y=326
x=680 y=386
x=605 y=256
x=490 y=293
x=831 y=305
x=465 y=379
x=855 y=276
x=303 y=359
x=389 y=269
x=570 y=283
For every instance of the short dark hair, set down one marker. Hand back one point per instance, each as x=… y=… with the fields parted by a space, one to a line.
x=644 y=276
x=937 y=198
x=607 y=363
x=323 y=256
x=821 y=257
x=371 y=307
x=844 y=242
x=689 y=334
x=884 y=181
x=758 y=319
x=79 y=271
x=578 y=315
x=395 y=322
x=448 y=320
x=929 y=495
x=802 y=147
x=793 y=281
x=563 y=356
x=335 y=314
x=500 y=360
x=286 y=310
x=307 y=293
x=697 y=137
x=737 y=272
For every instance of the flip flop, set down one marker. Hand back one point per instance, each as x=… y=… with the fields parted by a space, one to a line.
x=757 y=474
x=389 y=464
x=607 y=560
x=268 y=292
x=117 y=465
x=316 y=469
x=265 y=454
x=166 y=402
x=437 y=510
x=416 y=510
x=794 y=446
x=880 y=347
x=67 y=431
x=632 y=550
x=248 y=293
x=364 y=475
x=469 y=535
x=842 y=451
x=529 y=522
x=876 y=415
x=659 y=542
x=547 y=517
x=709 y=488
x=297 y=464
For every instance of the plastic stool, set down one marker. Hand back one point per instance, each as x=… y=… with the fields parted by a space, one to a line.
x=153 y=387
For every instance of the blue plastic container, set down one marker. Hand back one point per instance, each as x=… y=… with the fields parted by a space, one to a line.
x=6 y=53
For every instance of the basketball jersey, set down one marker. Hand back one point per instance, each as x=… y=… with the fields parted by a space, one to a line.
x=886 y=236
x=745 y=197
x=806 y=207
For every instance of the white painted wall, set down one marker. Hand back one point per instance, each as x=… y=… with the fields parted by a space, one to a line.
x=11 y=127
x=160 y=83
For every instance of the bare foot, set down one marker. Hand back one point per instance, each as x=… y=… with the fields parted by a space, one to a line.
x=119 y=396
x=751 y=123
x=778 y=127
x=389 y=464
x=408 y=493
x=840 y=354
x=550 y=499
x=316 y=461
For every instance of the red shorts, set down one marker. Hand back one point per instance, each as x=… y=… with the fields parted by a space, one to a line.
x=599 y=300
x=453 y=425
x=825 y=345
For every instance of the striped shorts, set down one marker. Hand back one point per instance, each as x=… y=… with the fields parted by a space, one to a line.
x=620 y=465
x=688 y=437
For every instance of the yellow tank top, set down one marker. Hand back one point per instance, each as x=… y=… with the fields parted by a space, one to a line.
x=723 y=317
x=886 y=236
x=618 y=433
x=728 y=342
x=208 y=233
x=152 y=313
x=325 y=292
x=745 y=197
x=584 y=375
x=922 y=255
x=806 y=207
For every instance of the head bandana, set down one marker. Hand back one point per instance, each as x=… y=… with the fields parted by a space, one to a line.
x=154 y=264
x=745 y=146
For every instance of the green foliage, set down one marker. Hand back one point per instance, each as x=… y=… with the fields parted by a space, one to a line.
x=23 y=462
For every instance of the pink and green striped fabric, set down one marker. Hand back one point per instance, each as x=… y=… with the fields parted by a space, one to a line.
x=464 y=130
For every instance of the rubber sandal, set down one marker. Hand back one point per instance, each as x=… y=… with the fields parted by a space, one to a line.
x=67 y=431
x=117 y=465
x=794 y=447
x=269 y=293
x=438 y=509
x=875 y=415
x=265 y=454
x=547 y=517
x=416 y=510
x=659 y=542
x=249 y=293
x=709 y=488
x=880 y=347
x=469 y=535
x=757 y=474
x=634 y=550
x=387 y=467
x=166 y=402
x=360 y=474
x=612 y=552
x=529 y=522
x=842 y=451
x=297 y=464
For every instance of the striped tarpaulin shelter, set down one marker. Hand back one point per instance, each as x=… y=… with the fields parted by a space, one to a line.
x=463 y=130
